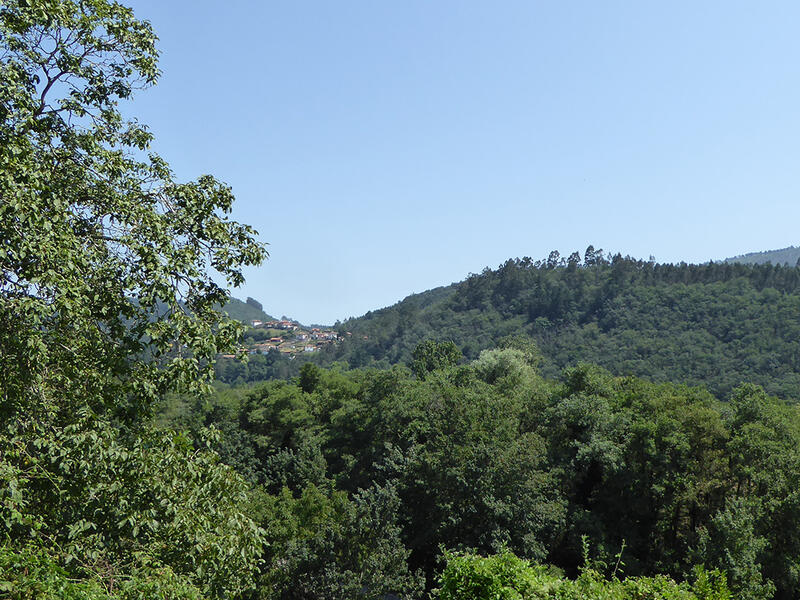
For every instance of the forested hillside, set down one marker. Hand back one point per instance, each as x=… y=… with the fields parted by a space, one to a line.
x=127 y=473
x=380 y=469
x=246 y=311
x=716 y=324
x=785 y=256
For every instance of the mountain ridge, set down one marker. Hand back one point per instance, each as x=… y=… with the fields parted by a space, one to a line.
x=782 y=256
x=714 y=324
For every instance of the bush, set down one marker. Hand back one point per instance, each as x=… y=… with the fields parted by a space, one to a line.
x=507 y=577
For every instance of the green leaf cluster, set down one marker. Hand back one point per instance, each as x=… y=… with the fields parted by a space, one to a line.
x=506 y=577
x=109 y=298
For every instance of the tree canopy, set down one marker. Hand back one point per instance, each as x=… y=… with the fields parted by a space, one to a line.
x=123 y=476
x=488 y=457
x=111 y=275
x=105 y=256
x=714 y=324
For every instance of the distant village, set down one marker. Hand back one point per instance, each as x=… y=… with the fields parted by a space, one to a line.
x=287 y=337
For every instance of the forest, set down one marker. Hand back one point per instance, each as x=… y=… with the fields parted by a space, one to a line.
x=488 y=457
x=715 y=324
x=531 y=436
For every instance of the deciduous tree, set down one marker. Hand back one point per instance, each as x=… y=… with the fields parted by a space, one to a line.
x=111 y=275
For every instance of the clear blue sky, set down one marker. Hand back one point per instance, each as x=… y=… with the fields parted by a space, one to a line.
x=384 y=148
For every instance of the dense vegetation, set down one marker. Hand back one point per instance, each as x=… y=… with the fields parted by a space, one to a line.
x=106 y=305
x=489 y=456
x=717 y=324
x=124 y=476
x=504 y=576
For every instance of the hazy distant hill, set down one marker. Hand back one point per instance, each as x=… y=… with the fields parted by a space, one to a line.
x=784 y=256
x=716 y=324
x=246 y=311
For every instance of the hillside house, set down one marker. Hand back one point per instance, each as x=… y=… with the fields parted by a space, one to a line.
x=324 y=335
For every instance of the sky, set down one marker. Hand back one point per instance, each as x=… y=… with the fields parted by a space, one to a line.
x=386 y=148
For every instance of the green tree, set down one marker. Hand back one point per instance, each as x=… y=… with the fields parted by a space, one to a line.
x=323 y=546
x=254 y=303
x=107 y=302
x=731 y=544
x=104 y=255
x=474 y=479
x=309 y=377
x=431 y=355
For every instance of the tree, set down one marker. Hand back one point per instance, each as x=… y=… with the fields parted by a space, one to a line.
x=574 y=261
x=474 y=479
x=731 y=544
x=104 y=255
x=431 y=355
x=108 y=299
x=554 y=259
x=326 y=545
x=309 y=377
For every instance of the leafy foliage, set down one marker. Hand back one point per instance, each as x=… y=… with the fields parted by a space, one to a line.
x=430 y=356
x=490 y=456
x=108 y=301
x=506 y=577
x=100 y=500
x=324 y=545
x=32 y=574
x=104 y=256
x=716 y=324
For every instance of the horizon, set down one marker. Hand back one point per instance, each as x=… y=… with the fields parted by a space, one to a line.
x=383 y=150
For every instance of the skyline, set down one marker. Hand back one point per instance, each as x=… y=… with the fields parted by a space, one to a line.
x=383 y=150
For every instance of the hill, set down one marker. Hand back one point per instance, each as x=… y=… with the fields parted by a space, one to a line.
x=246 y=311
x=785 y=256
x=715 y=324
